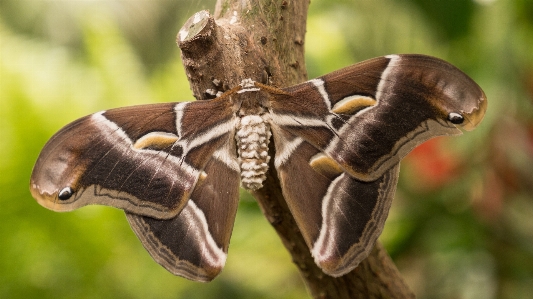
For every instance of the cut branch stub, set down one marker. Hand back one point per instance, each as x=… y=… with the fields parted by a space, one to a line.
x=196 y=27
x=217 y=51
x=197 y=41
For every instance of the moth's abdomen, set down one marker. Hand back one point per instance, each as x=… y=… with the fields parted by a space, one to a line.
x=253 y=136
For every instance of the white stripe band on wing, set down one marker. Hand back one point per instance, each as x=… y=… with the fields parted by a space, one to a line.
x=319 y=84
x=296 y=121
x=198 y=227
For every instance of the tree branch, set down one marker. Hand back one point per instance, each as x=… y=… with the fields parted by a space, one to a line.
x=263 y=40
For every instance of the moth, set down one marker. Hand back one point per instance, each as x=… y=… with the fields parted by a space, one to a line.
x=175 y=168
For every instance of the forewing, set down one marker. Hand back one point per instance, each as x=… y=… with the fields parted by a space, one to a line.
x=194 y=243
x=339 y=216
x=143 y=159
x=368 y=116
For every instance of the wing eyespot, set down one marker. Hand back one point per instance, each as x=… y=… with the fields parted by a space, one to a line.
x=65 y=193
x=456 y=118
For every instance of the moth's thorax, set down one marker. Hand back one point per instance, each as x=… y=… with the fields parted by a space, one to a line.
x=253 y=135
x=252 y=102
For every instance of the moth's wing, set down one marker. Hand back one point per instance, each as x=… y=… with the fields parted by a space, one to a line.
x=339 y=140
x=143 y=159
x=339 y=216
x=368 y=116
x=194 y=243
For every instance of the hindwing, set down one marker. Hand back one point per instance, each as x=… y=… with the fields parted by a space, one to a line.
x=194 y=244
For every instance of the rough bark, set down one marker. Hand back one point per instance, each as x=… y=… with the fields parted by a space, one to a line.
x=264 y=40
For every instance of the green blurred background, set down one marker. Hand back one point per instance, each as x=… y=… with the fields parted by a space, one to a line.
x=461 y=225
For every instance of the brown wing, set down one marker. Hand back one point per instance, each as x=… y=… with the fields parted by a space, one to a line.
x=143 y=159
x=194 y=243
x=339 y=216
x=368 y=116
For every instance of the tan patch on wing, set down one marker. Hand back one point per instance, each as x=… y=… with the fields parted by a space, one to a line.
x=325 y=165
x=201 y=179
x=350 y=105
x=156 y=140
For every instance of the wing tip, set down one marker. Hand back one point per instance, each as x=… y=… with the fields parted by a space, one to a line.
x=49 y=200
x=336 y=266
x=477 y=114
x=205 y=273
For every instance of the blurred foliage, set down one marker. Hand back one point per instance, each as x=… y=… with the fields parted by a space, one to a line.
x=461 y=225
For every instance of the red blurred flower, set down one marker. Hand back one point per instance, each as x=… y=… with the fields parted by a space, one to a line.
x=432 y=164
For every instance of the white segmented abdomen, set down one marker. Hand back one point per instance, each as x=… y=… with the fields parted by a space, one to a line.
x=253 y=136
